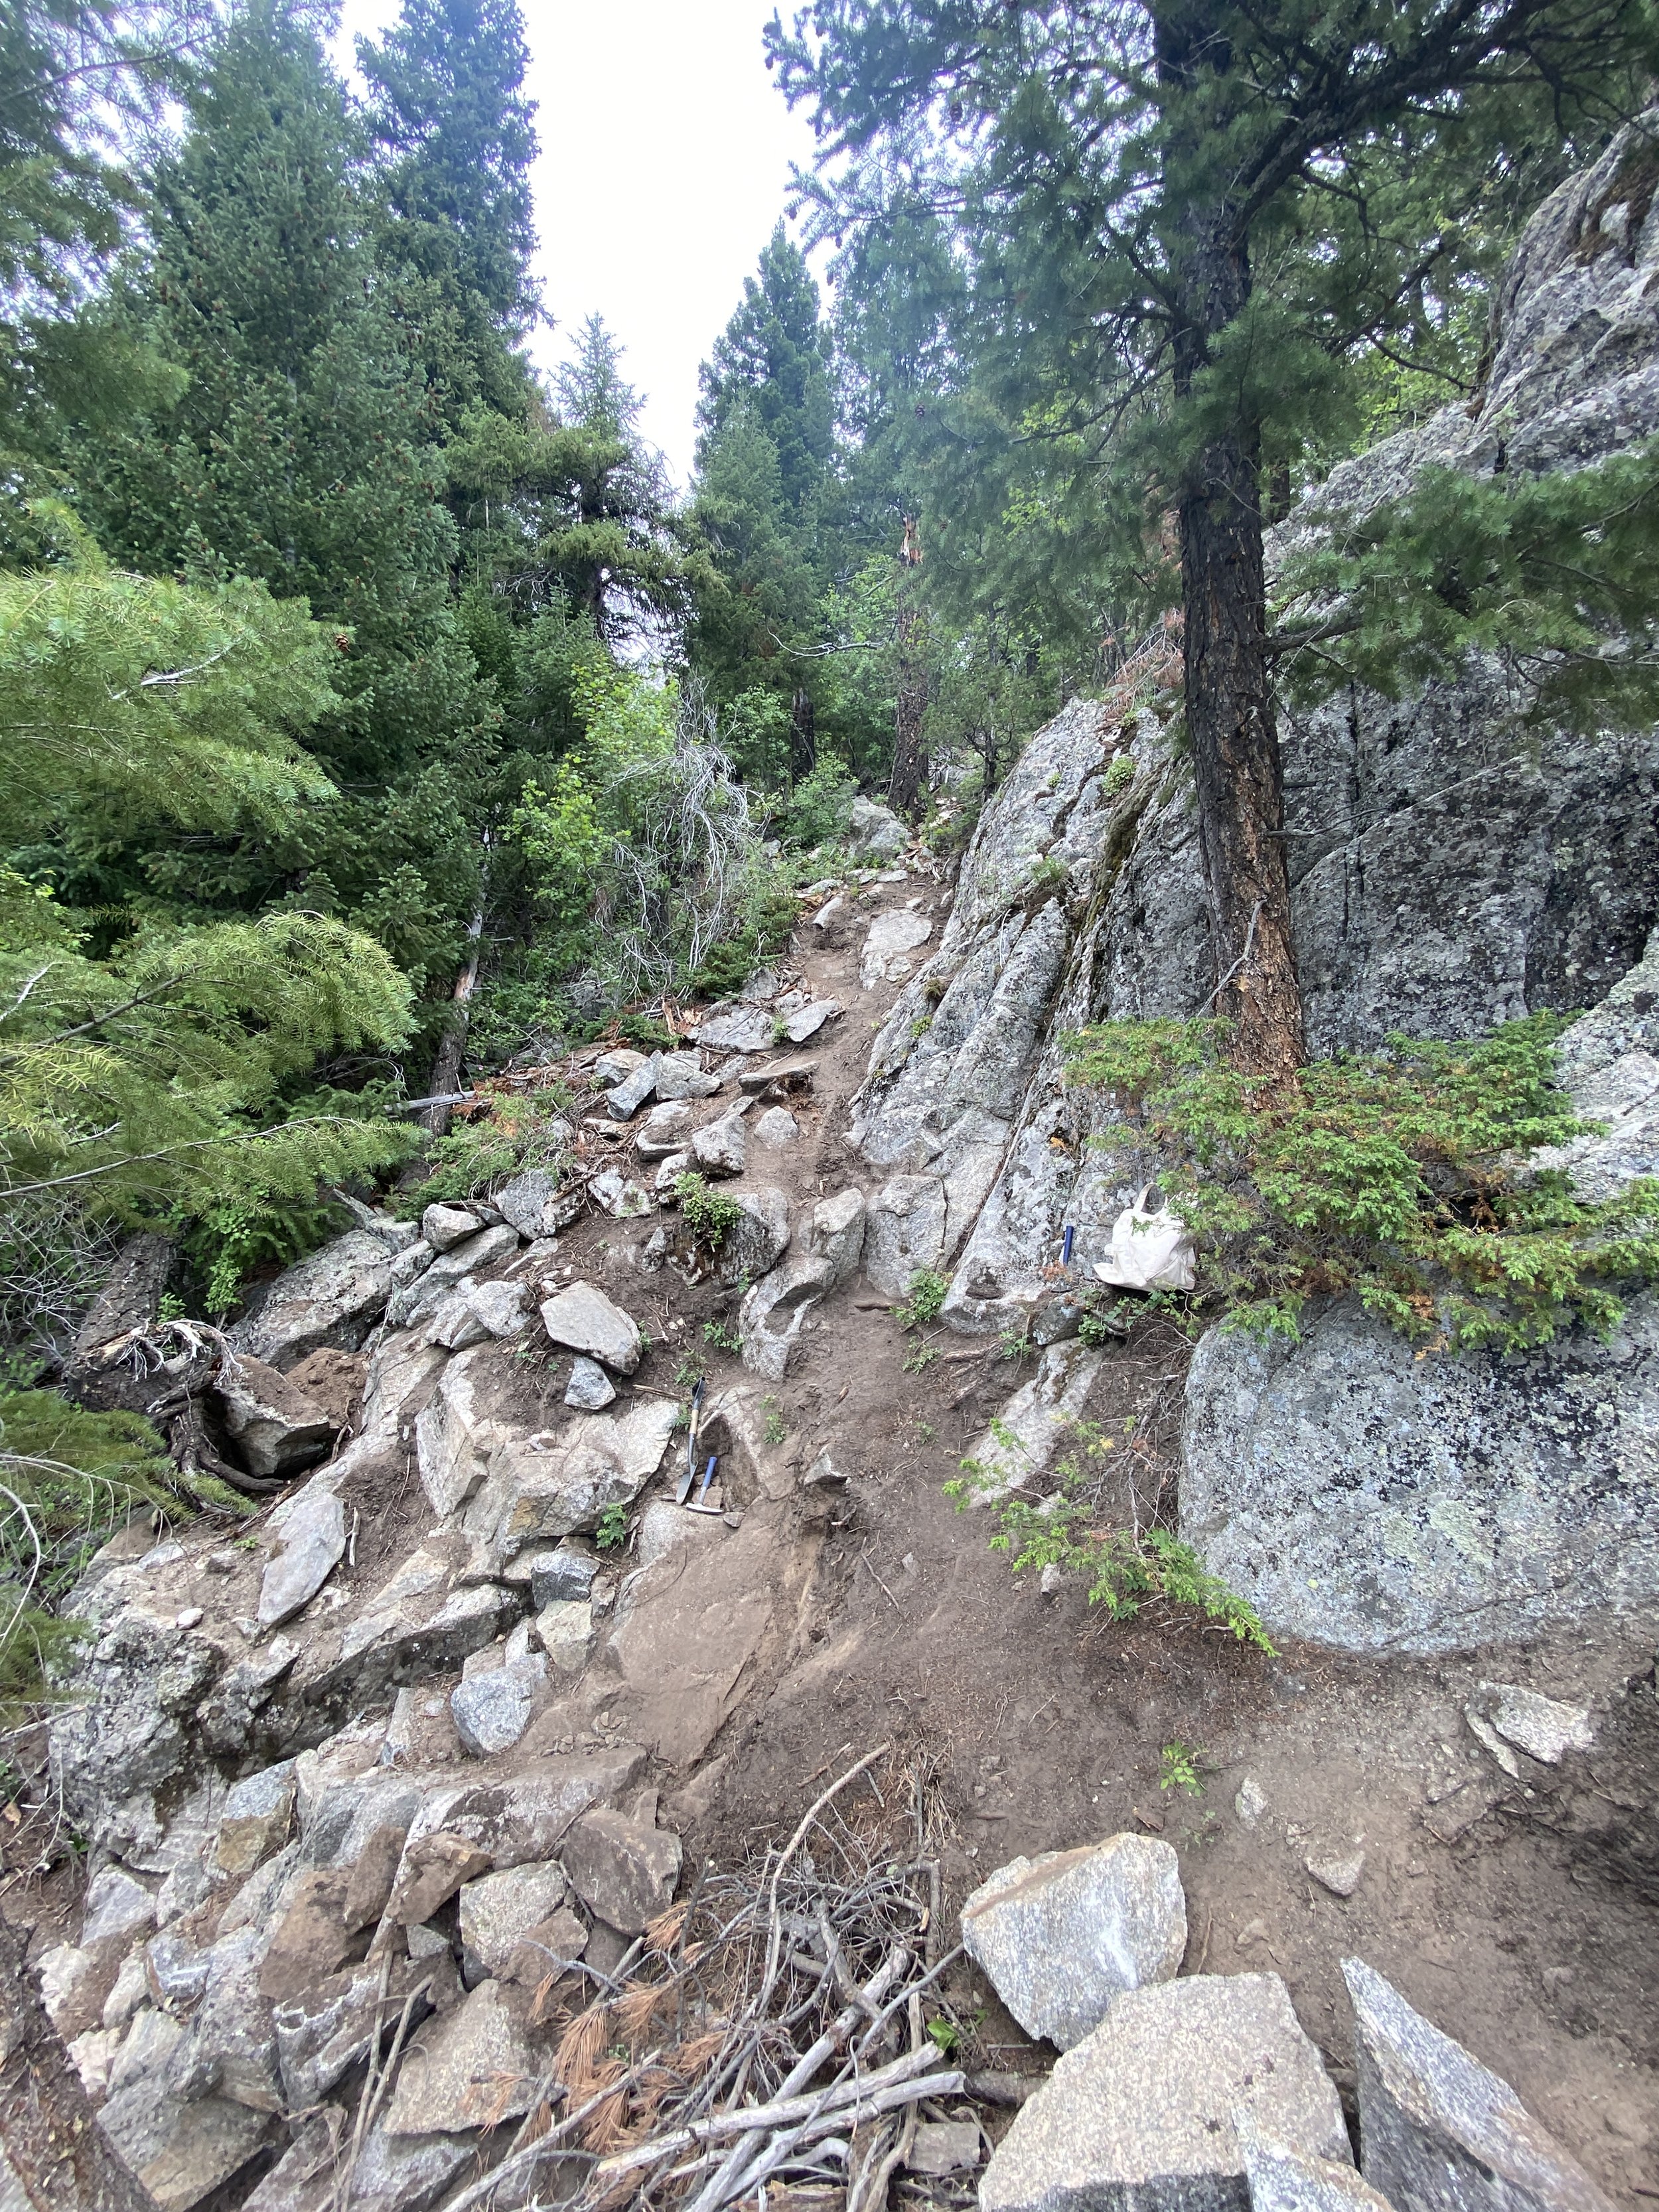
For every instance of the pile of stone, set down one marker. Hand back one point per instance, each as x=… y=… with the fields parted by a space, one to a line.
x=1205 y=2092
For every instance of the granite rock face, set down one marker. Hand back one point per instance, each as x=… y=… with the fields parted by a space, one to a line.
x=1365 y=1498
x=1062 y=1935
x=1141 y=2114
x=1438 y=2132
x=1076 y=904
x=330 y=1300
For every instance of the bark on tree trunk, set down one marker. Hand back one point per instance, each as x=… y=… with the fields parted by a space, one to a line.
x=54 y=2157
x=1234 y=734
x=446 y=1078
x=1230 y=720
x=908 y=785
x=803 y=737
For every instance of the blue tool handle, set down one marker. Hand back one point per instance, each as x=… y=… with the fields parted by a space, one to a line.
x=1066 y=1248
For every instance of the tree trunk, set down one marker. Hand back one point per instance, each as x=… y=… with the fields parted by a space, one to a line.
x=54 y=2157
x=908 y=788
x=1236 y=763
x=803 y=737
x=1230 y=720
x=445 y=1076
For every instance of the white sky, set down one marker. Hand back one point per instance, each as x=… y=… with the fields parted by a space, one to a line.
x=664 y=163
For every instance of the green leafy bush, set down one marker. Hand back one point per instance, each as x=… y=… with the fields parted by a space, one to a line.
x=709 y=1214
x=1120 y=776
x=1123 y=1567
x=511 y=1135
x=821 y=805
x=929 y=1292
x=1399 y=1176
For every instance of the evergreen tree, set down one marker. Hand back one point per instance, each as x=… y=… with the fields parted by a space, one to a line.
x=773 y=360
x=300 y=452
x=1119 y=181
x=459 y=134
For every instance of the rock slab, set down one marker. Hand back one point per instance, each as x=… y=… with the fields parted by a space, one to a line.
x=1439 y=2132
x=583 y=1319
x=1062 y=1935
x=1139 y=2117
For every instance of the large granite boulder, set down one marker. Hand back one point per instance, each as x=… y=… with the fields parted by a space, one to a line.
x=1364 y=1498
x=331 y=1299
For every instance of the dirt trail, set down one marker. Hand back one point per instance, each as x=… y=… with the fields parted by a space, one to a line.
x=1521 y=1914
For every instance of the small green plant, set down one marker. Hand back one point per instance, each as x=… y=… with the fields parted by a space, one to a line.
x=709 y=1214
x=776 y=1427
x=1178 y=1768
x=919 y=1027
x=1049 y=877
x=1095 y=1328
x=929 y=1292
x=722 y=1335
x=687 y=1371
x=612 y=1530
x=926 y=1433
x=920 y=1359
x=1399 y=1176
x=1015 y=1341
x=949 y=2035
x=1124 y=1567
x=1120 y=775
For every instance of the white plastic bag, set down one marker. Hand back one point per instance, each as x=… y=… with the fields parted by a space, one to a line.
x=1150 y=1251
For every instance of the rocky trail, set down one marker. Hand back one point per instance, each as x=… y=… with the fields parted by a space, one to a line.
x=536 y=1768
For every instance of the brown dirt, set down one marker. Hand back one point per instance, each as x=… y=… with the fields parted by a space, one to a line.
x=1521 y=1917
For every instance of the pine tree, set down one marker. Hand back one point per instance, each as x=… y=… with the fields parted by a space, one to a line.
x=459 y=137
x=773 y=360
x=1177 y=231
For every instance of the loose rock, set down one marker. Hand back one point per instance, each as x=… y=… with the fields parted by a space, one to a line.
x=1283 y=2178
x=1339 y=1873
x=625 y=1873
x=721 y=1148
x=776 y=1128
x=470 y=2067
x=492 y=1709
x=500 y=1909
x=1141 y=2111
x=1062 y=1935
x=1438 y=2129
x=893 y=938
x=1544 y=1728
x=590 y=1389
x=330 y=1300
x=277 y=1426
x=681 y=1075
x=584 y=1318
x=311 y=1540
x=444 y=1226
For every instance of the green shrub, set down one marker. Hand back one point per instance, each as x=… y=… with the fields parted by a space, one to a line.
x=820 y=806
x=227 y=1241
x=1398 y=1175
x=1120 y=775
x=1123 y=1567
x=929 y=1292
x=709 y=1214
x=512 y=1135
x=67 y=1479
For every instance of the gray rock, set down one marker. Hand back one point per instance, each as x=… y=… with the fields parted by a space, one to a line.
x=444 y=1226
x=330 y=1300
x=804 y=1021
x=477 y=1311
x=893 y=938
x=583 y=1319
x=458 y=1431
x=310 y=1530
x=719 y=1148
x=563 y=1576
x=835 y=1234
x=905 y=1233
x=832 y=911
x=775 y=1310
x=493 y=1710
x=396 y=1236
x=668 y=1174
x=1062 y=1935
x=664 y=1130
x=533 y=1204
x=735 y=1028
x=874 y=832
x=419 y=1301
x=616 y=1065
x=1283 y=2178
x=942 y=2147
x=777 y=1127
x=256 y=1819
x=141 y=1688
x=1336 y=1871
x=1544 y=1728
x=233 y=2030
x=630 y=1094
x=524 y=1814
x=181 y=2152
x=564 y=1628
x=681 y=1075
x=1036 y=1421
x=1607 y=1062
x=409 y=1639
x=590 y=1389
x=1437 y=2131
x=277 y=1427
x=1363 y=1498
x=1141 y=2112
x=118 y=1909
x=411 y=1261
x=500 y=1909
x=612 y=1192
x=534 y=1497
x=623 y=1871
x=754 y=1246
x=470 y=2068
